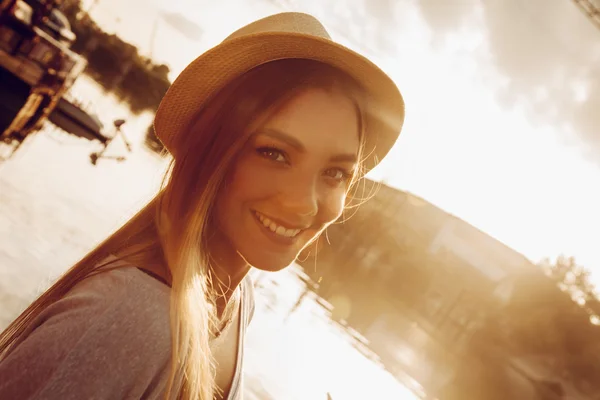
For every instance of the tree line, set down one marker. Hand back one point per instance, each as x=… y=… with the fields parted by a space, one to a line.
x=118 y=66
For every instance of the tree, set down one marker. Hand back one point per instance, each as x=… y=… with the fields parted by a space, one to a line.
x=563 y=269
x=116 y=64
x=542 y=320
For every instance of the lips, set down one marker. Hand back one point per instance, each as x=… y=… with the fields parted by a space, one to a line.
x=275 y=228
x=287 y=237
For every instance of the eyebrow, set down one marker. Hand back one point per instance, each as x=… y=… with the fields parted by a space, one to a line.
x=298 y=146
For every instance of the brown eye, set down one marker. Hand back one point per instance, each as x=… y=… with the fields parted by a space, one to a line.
x=338 y=174
x=271 y=153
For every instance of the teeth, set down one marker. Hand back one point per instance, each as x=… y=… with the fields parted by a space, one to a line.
x=277 y=229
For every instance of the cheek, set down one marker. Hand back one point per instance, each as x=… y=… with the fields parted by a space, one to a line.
x=332 y=206
x=248 y=183
x=244 y=184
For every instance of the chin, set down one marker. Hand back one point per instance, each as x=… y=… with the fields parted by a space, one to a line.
x=269 y=263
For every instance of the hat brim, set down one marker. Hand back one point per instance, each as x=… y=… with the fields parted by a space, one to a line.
x=211 y=71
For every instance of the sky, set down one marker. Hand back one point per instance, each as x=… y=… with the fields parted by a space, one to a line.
x=502 y=100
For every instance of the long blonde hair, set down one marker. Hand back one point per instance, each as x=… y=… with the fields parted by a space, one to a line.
x=171 y=231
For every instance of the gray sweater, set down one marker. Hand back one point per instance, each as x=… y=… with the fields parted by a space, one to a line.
x=107 y=339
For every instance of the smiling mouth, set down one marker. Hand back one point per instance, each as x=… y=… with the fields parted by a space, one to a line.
x=275 y=228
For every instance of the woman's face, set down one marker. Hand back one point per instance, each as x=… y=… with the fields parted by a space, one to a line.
x=290 y=180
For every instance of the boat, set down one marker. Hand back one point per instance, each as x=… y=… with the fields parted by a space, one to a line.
x=75 y=120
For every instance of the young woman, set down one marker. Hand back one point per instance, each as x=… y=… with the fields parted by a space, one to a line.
x=269 y=132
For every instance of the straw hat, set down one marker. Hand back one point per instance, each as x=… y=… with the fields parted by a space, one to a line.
x=281 y=36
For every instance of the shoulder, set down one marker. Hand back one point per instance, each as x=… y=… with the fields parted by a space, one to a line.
x=114 y=324
x=122 y=291
x=118 y=304
x=105 y=315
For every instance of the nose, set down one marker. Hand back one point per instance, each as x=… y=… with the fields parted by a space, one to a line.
x=299 y=197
